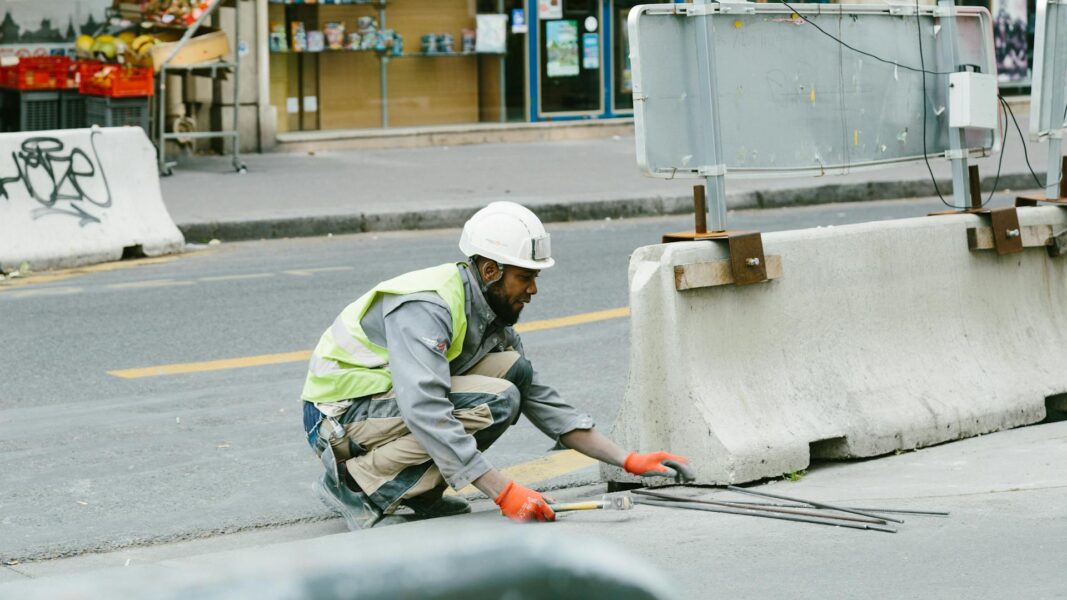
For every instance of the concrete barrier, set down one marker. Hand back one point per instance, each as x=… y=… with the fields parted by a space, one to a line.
x=80 y=196
x=877 y=337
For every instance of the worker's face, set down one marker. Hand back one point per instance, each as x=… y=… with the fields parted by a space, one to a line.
x=509 y=294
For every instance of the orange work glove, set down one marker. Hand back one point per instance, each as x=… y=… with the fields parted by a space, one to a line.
x=523 y=504
x=652 y=464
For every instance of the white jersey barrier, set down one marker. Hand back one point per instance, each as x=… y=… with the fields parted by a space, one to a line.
x=80 y=196
x=876 y=337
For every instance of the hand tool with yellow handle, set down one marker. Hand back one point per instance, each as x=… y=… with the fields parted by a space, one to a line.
x=606 y=503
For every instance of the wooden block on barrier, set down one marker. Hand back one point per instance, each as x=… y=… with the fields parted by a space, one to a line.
x=717 y=272
x=1033 y=236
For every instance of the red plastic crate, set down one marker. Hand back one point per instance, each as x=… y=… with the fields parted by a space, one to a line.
x=36 y=73
x=116 y=81
x=82 y=69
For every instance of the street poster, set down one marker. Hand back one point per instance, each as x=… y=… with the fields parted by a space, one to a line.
x=36 y=28
x=492 y=34
x=549 y=9
x=590 y=51
x=518 y=20
x=1009 y=39
x=626 y=78
x=561 y=45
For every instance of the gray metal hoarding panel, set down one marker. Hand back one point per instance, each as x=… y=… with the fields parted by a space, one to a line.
x=791 y=99
x=1048 y=94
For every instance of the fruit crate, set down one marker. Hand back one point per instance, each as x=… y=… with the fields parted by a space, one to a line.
x=80 y=69
x=117 y=81
x=35 y=110
x=36 y=73
x=106 y=111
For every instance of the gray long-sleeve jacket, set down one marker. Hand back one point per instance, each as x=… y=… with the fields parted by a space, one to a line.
x=417 y=328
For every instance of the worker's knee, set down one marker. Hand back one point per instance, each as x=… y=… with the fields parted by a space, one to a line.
x=511 y=405
x=520 y=374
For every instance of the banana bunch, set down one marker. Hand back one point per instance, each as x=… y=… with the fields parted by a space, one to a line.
x=143 y=44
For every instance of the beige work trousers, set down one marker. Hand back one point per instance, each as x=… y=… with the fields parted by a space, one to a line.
x=383 y=456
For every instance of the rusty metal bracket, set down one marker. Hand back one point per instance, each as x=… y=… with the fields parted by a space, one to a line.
x=1006 y=233
x=747 y=262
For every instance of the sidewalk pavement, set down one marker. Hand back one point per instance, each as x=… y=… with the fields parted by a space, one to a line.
x=1003 y=539
x=290 y=195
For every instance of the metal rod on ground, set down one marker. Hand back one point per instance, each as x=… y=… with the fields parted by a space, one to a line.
x=861 y=513
x=752 y=513
x=933 y=513
x=784 y=511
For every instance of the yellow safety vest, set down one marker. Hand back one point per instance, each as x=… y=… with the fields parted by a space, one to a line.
x=346 y=364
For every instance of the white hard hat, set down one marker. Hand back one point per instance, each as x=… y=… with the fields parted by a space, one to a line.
x=509 y=234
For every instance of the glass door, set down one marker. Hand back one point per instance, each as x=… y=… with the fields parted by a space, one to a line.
x=569 y=61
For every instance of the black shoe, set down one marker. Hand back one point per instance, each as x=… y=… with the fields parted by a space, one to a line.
x=357 y=510
x=433 y=504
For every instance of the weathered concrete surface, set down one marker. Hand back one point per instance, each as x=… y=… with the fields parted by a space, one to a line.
x=879 y=337
x=80 y=196
x=1003 y=539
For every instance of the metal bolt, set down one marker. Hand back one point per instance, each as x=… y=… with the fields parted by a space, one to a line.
x=1012 y=233
x=752 y=262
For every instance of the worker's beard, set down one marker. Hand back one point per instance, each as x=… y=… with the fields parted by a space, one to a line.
x=504 y=309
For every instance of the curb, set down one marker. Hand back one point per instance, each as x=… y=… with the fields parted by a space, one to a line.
x=563 y=211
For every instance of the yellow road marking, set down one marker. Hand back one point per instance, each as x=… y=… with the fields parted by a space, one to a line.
x=309 y=272
x=151 y=283
x=273 y=359
x=589 y=317
x=213 y=365
x=52 y=276
x=548 y=467
x=48 y=291
x=236 y=277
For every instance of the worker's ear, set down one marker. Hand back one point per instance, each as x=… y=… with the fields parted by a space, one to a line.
x=489 y=270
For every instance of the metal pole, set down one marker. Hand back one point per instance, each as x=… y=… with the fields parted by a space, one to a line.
x=1063 y=184
x=751 y=513
x=949 y=45
x=741 y=490
x=1055 y=164
x=161 y=116
x=503 y=71
x=700 y=211
x=236 y=85
x=715 y=170
x=383 y=70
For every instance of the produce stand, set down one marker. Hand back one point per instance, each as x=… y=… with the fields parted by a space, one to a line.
x=212 y=69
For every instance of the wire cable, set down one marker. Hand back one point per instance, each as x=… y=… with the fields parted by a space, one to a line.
x=1000 y=161
x=922 y=68
x=922 y=61
x=1022 y=140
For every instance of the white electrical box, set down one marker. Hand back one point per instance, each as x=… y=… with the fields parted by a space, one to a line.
x=972 y=100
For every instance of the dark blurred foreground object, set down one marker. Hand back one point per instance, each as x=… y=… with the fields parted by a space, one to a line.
x=448 y=559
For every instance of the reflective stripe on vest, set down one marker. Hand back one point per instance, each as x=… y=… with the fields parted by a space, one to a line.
x=346 y=364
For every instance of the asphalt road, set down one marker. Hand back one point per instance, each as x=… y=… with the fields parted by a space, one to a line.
x=91 y=461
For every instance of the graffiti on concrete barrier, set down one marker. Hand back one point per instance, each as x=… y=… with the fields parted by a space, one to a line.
x=64 y=181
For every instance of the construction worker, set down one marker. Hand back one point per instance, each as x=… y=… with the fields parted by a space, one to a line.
x=422 y=373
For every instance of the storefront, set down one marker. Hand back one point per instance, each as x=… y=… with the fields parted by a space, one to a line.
x=406 y=63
